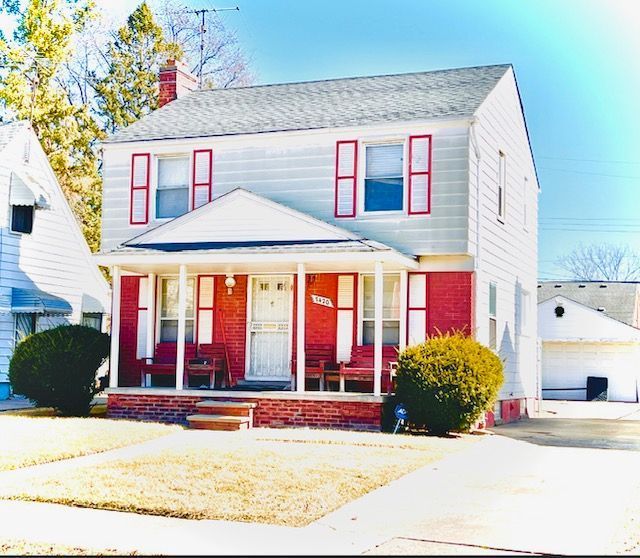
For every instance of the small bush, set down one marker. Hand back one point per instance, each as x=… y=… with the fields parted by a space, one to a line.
x=447 y=382
x=57 y=367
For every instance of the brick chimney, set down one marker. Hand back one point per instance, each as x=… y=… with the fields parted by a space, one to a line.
x=175 y=82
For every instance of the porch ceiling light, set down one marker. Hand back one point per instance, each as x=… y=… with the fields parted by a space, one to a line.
x=230 y=282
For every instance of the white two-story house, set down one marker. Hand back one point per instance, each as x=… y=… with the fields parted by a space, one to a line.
x=47 y=275
x=394 y=207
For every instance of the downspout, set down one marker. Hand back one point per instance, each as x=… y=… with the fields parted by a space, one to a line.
x=476 y=260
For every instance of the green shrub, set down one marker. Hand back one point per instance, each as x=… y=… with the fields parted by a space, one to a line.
x=57 y=367
x=447 y=382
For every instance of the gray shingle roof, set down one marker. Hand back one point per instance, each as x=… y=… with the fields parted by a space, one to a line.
x=335 y=103
x=619 y=299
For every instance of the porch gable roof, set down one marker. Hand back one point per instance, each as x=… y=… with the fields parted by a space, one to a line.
x=241 y=224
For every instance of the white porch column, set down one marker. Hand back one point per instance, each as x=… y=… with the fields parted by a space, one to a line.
x=404 y=286
x=377 y=338
x=300 y=334
x=182 y=325
x=151 y=313
x=115 y=327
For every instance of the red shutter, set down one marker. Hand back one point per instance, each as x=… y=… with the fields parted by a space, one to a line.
x=202 y=177
x=419 y=175
x=346 y=178
x=140 y=175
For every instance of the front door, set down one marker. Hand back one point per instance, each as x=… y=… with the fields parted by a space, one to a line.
x=269 y=328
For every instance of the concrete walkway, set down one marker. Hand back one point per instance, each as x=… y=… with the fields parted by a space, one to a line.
x=499 y=495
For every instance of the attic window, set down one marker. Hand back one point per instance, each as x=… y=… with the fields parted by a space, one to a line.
x=22 y=218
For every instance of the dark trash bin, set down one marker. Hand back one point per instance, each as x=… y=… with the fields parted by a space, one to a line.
x=597 y=388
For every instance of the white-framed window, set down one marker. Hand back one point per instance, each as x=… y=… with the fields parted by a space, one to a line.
x=525 y=310
x=92 y=319
x=383 y=187
x=172 y=186
x=169 y=309
x=502 y=185
x=493 y=312
x=390 y=309
x=25 y=325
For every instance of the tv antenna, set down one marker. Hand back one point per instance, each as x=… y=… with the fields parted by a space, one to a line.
x=202 y=12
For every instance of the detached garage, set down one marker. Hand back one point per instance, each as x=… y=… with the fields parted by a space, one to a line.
x=590 y=340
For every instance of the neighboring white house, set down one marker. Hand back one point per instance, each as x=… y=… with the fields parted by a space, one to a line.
x=47 y=276
x=589 y=329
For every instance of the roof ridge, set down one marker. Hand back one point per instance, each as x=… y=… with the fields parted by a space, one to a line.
x=352 y=78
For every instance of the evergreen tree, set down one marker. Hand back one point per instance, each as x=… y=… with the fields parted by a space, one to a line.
x=29 y=90
x=129 y=90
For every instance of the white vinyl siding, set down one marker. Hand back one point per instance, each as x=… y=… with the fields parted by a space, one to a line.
x=507 y=254
x=299 y=170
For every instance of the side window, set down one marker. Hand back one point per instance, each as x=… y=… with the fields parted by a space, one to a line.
x=92 y=319
x=390 y=309
x=502 y=185
x=493 y=324
x=25 y=326
x=169 y=310
x=22 y=218
x=525 y=204
x=384 y=178
x=172 y=193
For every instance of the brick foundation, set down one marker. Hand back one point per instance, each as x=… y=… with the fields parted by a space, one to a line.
x=347 y=414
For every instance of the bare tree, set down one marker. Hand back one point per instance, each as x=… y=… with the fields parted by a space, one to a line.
x=224 y=62
x=602 y=262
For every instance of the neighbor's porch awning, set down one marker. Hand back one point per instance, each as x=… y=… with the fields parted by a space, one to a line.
x=29 y=301
x=27 y=188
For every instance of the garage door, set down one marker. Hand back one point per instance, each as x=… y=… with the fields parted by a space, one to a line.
x=565 y=367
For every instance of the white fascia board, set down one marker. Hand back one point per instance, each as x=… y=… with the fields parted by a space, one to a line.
x=174 y=258
x=385 y=128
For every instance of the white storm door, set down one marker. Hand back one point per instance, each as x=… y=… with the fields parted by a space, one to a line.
x=269 y=327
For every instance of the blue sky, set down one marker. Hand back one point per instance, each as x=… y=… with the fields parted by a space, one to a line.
x=577 y=64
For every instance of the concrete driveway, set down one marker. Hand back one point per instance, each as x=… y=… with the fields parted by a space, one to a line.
x=580 y=424
x=544 y=486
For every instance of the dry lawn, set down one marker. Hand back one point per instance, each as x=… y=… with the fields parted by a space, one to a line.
x=29 y=548
x=267 y=476
x=32 y=440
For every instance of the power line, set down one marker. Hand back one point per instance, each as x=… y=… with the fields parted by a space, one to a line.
x=592 y=173
x=614 y=161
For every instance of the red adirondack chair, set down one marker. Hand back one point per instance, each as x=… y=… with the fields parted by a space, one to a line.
x=360 y=367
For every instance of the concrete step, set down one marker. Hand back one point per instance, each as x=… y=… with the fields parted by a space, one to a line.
x=218 y=422
x=229 y=408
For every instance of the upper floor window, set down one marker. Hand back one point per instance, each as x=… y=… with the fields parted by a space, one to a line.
x=22 y=218
x=172 y=193
x=384 y=178
x=502 y=185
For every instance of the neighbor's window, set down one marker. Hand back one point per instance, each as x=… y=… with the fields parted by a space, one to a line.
x=25 y=326
x=22 y=218
x=493 y=324
x=502 y=185
x=92 y=319
x=172 y=195
x=390 y=309
x=169 y=310
x=384 y=179
x=525 y=204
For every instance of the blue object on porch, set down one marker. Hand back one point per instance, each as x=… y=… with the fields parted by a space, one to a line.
x=5 y=390
x=27 y=301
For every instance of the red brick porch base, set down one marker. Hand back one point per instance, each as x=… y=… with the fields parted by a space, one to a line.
x=342 y=411
x=509 y=411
